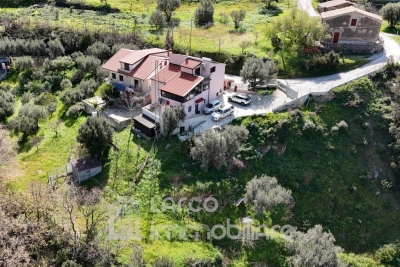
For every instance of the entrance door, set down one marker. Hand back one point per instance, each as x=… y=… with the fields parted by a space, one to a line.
x=336 y=37
x=197 y=109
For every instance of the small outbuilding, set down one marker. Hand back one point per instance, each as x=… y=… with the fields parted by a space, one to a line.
x=85 y=168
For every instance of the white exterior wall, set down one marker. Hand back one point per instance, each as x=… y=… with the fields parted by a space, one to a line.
x=85 y=175
x=217 y=80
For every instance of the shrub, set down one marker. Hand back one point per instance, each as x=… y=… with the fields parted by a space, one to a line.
x=26 y=97
x=77 y=76
x=308 y=125
x=342 y=125
x=264 y=193
x=55 y=48
x=99 y=50
x=65 y=83
x=323 y=62
x=75 y=110
x=6 y=104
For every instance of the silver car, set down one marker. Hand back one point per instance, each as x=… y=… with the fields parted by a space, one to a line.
x=212 y=106
x=223 y=112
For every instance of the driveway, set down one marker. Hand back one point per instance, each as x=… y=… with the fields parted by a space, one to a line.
x=260 y=104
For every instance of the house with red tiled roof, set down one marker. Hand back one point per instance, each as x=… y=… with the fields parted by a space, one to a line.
x=351 y=30
x=187 y=82
x=133 y=68
x=172 y=80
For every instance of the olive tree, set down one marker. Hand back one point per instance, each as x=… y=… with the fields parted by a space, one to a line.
x=313 y=249
x=238 y=16
x=264 y=193
x=100 y=50
x=218 y=149
x=55 y=48
x=6 y=105
x=168 y=7
x=95 y=134
x=171 y=118
x=27 y=120
x=157 y=20
x=391 y=13
x=256 y=71
x=204 y=14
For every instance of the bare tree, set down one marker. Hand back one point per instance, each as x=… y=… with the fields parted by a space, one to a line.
x=244 y=45
x=7 y=146
x=131 y=102
x=35 y=141
x=54 y=126
x=89 y=207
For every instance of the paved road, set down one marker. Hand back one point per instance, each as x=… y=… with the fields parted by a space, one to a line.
x=307 y=6
x=325 y=83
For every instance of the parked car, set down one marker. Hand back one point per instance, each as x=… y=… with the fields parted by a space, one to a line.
x=217 y=129
x=223 y=112
x=212 y=106
x=240 y=98
x=185 y=136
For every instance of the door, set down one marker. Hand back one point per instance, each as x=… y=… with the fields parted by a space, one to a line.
x=197 y=109
x=336 y=37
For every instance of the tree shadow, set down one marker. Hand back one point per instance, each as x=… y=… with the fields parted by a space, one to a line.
x=273 y=11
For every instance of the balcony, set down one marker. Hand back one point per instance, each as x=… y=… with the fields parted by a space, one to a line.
x=153 y=111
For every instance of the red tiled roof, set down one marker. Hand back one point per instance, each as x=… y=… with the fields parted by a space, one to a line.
x=190 y=63
x=181 y=84
x=199 y=100
x=346 y=10
x=167 y=73
x=86 y=163
x=144 y=69
x=113 y=63
x=140 y=54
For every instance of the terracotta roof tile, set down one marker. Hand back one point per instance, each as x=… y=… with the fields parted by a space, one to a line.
x=167 y=73
x=181 y=84
x=113 y=63
x=144 y=69
x=190 y=63
x=346 y=10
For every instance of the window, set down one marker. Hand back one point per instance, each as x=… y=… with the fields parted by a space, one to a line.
x=206 y=86
x=197 y=72
x=121 y=78
x=189 y=109
x=212 y=69
x=113 y=76
x=126 y=66
x=353 y=22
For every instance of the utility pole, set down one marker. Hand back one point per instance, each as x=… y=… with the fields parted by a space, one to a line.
x=283 y=46
x=190 y=37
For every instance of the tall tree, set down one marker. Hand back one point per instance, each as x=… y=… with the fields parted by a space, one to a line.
x=391 y=13
x=204 y=14
x=157 y=20
x=218 y=149
x=27 y=120
x=6 y=105
x=256 y=71
x=313 y=249
x=298 y=27
x=95 y=134
x=7 y=146
x=171 y=118
x=168 y=7
x=238 y=16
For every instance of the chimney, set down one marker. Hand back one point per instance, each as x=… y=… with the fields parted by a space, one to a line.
x=187 y=54
x=169 y=51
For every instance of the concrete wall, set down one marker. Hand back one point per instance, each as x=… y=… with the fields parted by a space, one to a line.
x=366 y=30
x=85 y=175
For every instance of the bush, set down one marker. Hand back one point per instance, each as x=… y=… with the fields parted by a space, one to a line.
x=75 y=110
x=264 y=193
x=323 y=62
x=77 y=76
x=6 y=104
x=99 y=50
x=308 y=125
x=65 y=83
x=84 y=90
x=26 y=97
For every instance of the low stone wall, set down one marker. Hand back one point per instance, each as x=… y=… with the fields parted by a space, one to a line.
x=353 y=48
